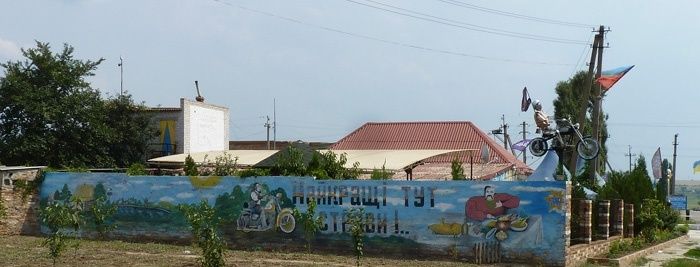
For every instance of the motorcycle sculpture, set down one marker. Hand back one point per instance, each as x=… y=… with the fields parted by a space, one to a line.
x=268 y=216
x=587 y=147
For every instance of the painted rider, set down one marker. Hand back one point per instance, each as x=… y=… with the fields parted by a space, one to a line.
x=541 y=118
x=256 y=195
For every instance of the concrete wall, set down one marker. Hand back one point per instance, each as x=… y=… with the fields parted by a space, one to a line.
x=431 y=218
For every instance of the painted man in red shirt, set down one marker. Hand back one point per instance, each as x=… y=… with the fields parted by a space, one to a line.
x=490 y=205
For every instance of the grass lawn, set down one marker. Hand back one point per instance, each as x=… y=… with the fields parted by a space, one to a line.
x=27 y=251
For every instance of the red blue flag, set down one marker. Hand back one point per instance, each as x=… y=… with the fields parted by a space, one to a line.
x=609 y=77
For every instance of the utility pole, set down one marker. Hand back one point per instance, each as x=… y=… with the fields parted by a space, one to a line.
x=597 y=99
x=267 y=125
x=630 y=155
x=597 y=52
x=524 y=132
x=274 y=123
x=506 y=137
x=673 y=177
x=121 y=74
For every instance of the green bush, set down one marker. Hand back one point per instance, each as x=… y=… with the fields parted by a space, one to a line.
x=253 y=173
x=58 y=216
x=204 y=226
x=312 y=223
x=136 y=169
x=381 y=174
x=457 y=170
x=190 y=167
x=357 y=231
x=102 y=211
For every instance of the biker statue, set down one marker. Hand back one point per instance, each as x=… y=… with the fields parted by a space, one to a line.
x=587 y=147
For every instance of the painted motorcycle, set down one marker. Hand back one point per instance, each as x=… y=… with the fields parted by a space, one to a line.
x=259 y=217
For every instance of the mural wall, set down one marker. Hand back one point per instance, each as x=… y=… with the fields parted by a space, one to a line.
x=418 y=217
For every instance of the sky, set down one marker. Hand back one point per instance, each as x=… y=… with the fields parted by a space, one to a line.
x=333 y=65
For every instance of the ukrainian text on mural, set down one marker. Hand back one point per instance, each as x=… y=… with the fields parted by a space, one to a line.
x=524 y=217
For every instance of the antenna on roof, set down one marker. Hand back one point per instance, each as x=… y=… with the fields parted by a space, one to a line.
x=199 y=97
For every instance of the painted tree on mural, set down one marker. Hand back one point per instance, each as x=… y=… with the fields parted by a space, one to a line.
x=51 y=115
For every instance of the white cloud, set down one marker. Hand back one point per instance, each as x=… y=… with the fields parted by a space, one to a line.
x=395 y=201
x=444 y=206
x=159 y=187
x=442 y=192
x=481 y=186
x=167 y=199
x=535 y=189
x=9 y=50
x=184 y=195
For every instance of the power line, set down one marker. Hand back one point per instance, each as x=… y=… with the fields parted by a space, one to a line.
x=366 y=37
x=469 y=26
x=516 y=15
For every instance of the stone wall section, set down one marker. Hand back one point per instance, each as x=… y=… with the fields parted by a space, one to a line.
x=21 y=211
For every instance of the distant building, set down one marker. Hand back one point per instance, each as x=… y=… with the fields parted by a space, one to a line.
x=192 y=127
x=462 y=135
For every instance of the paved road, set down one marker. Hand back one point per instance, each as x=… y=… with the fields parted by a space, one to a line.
x=675 y=251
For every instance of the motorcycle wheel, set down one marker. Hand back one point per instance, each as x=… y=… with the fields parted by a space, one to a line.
x=588 y=148
x=287 y=222
x=538 y=146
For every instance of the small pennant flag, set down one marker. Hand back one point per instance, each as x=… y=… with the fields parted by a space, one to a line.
x=609 y=77
x=520 y=145
x=525 y=102
x=696 y=167
x=656 y=164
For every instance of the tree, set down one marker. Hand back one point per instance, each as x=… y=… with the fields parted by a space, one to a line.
x=568 y=104
x=662 y=184
x=49 y=114
x=190 y=167
x=130 y=130
x=381 y=174
x=457 y=170
x=633 y=187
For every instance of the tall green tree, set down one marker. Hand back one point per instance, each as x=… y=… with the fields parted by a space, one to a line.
x=568 y=104
x=632 y=187
x=130 y=130
x=50 y=115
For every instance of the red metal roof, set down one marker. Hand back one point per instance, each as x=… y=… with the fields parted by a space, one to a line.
x=428 y=135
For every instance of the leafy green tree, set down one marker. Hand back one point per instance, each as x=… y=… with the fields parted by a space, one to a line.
x=290 y=163
x=130 y=130
x=632 y=187
x=457 y=170
x=568 y=104
x=49 y=114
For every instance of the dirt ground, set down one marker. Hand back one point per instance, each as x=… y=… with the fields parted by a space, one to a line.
x=28 y=251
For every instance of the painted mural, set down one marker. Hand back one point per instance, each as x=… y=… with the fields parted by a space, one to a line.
x=422 y=217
